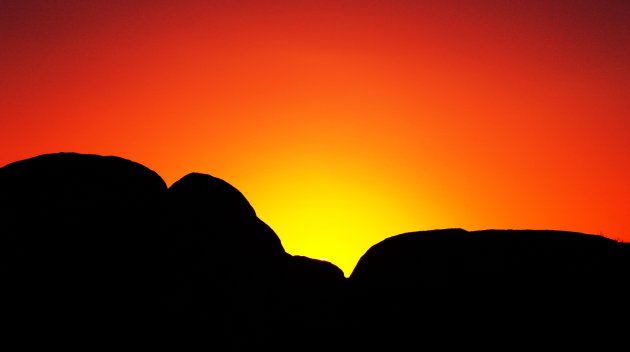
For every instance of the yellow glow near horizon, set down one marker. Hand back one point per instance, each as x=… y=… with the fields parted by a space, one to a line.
x=342 y=122
x=327 y=207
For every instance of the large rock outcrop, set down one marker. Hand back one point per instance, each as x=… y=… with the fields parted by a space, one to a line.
x=98 y=248
x=527 y=286
x=79 y=237
x=496 y=261
x=235 y=277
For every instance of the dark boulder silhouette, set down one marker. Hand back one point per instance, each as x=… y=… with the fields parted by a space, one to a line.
x=314 y=299
x=233 y=274
x=524 y=285
x=539 y=261
x=96 y=248
x=99 y=248
x=224 y=258
x=208 y=209
x=79 y=237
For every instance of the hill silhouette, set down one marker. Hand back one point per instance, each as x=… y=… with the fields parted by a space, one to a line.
x=97 y=248
x=524 y=285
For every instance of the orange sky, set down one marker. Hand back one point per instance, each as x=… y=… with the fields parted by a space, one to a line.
x=343 y=122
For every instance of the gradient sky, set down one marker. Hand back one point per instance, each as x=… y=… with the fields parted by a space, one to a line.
x=342 y=122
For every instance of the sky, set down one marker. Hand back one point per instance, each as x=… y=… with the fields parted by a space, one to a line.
x=342 y=122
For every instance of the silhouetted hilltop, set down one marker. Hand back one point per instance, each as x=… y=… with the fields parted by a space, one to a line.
x=89 y=243
x=233 y=274
x=210 y=206
x=76 y=229
x=493 y=259
x=523 y=285
x=96 y=248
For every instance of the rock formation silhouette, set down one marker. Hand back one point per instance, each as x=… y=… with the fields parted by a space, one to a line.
x=79 y=238
x=493 y=261
x=524 y=285
x=97 y=248
x=233 y=275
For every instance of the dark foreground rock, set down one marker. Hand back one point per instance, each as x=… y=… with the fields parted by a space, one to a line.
x=79 y=238
x=233 y=275
x=97 y=248
x=98 y=251
x=490 y=286
x=493 y=261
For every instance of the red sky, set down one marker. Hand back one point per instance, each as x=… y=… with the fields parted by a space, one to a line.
x=343 y=122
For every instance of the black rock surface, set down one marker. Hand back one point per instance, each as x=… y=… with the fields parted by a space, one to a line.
x=79 y=237
x=523 y=285
x=96 y=250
